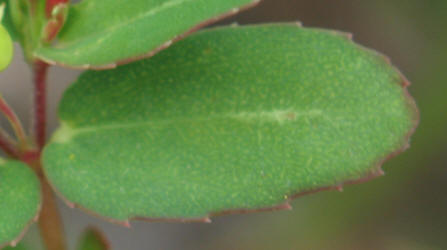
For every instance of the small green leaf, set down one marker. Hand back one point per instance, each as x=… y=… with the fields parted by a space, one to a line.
x=93 y=240
x=19 y=199
x=103 y=33
x=229 y=119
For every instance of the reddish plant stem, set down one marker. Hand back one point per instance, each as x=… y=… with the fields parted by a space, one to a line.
x=13 y=120
x=8 y=145
x=40 y=77
x=50 y=222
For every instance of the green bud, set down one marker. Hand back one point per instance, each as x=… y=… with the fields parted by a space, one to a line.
x=6 y=48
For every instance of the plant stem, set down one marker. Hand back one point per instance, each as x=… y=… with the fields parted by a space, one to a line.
x=40 y=76
x=14 y=121
x=8 y=145
x=50 y=222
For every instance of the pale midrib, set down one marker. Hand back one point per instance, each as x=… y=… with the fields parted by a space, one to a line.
x=110 y=30
x=279 y=116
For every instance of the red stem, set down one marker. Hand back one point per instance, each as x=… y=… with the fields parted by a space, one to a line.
x=13 y=120
x=50 y=222
x=40 y=76
x=7 y=145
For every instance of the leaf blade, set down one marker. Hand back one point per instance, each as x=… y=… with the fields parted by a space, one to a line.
x=20 y=199
x=96 y=35
x=216 y=118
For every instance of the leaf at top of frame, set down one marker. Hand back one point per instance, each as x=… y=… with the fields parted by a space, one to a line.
x=104 y=33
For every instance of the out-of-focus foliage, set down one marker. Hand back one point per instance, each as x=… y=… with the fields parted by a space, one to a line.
x=93 y=240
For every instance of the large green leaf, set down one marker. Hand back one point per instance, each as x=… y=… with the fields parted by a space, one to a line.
x=92 y=239
x=103 y=33
x=228 y=119
x=19 y=200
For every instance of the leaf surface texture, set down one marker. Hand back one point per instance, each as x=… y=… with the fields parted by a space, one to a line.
x=228 y=119
x=19 y=200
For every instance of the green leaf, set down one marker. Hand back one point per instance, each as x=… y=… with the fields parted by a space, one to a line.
x=93 y=240
x=230 y=119
x=103 y=33
x=19 y=199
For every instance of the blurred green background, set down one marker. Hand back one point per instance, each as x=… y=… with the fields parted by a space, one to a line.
x=405 y=209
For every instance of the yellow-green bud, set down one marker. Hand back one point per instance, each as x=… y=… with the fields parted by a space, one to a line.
x=6 y=48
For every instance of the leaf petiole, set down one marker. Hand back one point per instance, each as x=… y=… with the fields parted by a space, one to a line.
x=14 y=121
x=8 y=145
